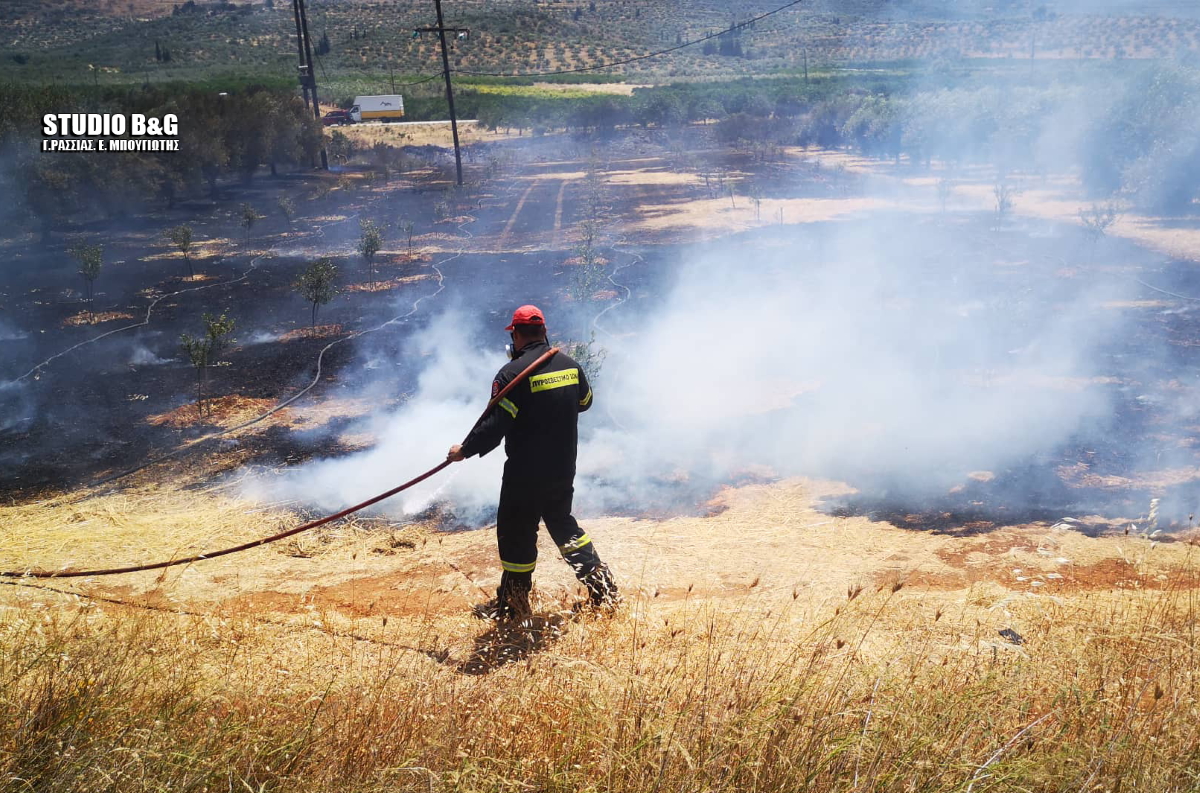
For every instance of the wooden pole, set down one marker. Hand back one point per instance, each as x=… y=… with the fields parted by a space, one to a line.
x=449 y=91
x=312 y=80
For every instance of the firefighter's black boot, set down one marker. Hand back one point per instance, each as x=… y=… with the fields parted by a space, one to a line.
x=511 y=603
x=602 y=588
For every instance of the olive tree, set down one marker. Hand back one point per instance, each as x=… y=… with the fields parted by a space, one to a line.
x=249 y=217
x=945 y=190
x=588 y=354
x=1096 y=221
x=201 y=350
x=1005 y=195
x=588 y=275
x=408 y=227
x=91 y=259
x=370 y=242
x=288 y=207
x=755 y=191
x=316 y=284
x=181 y=237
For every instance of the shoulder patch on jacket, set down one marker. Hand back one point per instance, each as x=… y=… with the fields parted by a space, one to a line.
x=495 y=387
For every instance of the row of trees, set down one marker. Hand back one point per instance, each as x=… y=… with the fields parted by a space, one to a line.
x=221 y=136
x=316 y=284
x=1137 y=136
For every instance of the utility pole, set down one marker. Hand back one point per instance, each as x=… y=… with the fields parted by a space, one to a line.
x=392 y=74
x=300 y=46
x=312 y=80
x=462 y=33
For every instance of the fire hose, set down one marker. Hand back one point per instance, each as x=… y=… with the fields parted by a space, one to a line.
x=293 y=531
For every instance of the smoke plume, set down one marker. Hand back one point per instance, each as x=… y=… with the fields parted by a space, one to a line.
x=878 y=353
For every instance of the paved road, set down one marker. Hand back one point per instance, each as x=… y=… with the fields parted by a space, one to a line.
x=416 y=123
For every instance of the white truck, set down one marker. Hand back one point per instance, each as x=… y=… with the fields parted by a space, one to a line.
x=377 y=108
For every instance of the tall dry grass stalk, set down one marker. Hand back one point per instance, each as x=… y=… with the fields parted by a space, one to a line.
x=885 y=689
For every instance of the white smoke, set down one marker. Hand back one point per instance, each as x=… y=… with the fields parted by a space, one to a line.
x=9 y=333
x=143 y=356
x=16 y=407
x=261 y=337
x=845 y=364
x=451 y=391
x=847 y=367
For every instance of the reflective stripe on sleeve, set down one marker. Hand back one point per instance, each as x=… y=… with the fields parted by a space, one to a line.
x=513 y=567
x=509 y=407
x=584 y=402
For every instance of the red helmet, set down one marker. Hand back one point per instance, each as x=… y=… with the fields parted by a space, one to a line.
x=527 y=315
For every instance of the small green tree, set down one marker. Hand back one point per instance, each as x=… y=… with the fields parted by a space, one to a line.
x=370 y=241
x=201 y=350
x=250 y=216
x=381 y=157
x=91 y=259
x=589 y=229
x=595 y=194
x=1096 y=221
x=756 y=197
x=181 y=237
x=340 y=148
x=316 y=284
x=441 y=211
x=945 y=189
x=588 y=354
x=408 y=227
x=1005 y=195
x=288 y=207
x=588 y=275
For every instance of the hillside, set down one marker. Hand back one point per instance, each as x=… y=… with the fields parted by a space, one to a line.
x=794 y=635
x=60 y=40
x=893 y=450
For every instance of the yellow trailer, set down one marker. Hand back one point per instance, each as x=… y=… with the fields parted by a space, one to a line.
x=378 y=108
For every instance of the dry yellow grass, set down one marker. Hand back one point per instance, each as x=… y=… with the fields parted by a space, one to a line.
x=95 y=318
x=420 y=134
x=223 y=411
x=718 y=216
x=768 y=647
x=386 y=284
x=1059 y=198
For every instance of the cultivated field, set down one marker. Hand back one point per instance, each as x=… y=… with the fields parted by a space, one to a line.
x=62 y=40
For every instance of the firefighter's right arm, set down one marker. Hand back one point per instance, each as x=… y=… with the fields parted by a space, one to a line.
x=488 y=433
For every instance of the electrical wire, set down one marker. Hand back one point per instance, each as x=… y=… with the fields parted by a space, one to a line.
x=636 y=58
x=321 y=63
x=437 y=76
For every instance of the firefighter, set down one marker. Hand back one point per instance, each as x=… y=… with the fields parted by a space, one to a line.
x=538 y=421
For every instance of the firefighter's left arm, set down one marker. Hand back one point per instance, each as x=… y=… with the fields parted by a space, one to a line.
x=488 y=433
x=585 y=392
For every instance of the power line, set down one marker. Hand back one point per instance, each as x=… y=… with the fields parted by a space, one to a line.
x=321 y=64
x=657 y=54
x=437 y=76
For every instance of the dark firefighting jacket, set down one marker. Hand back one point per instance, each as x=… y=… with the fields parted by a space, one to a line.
x=538 y=419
